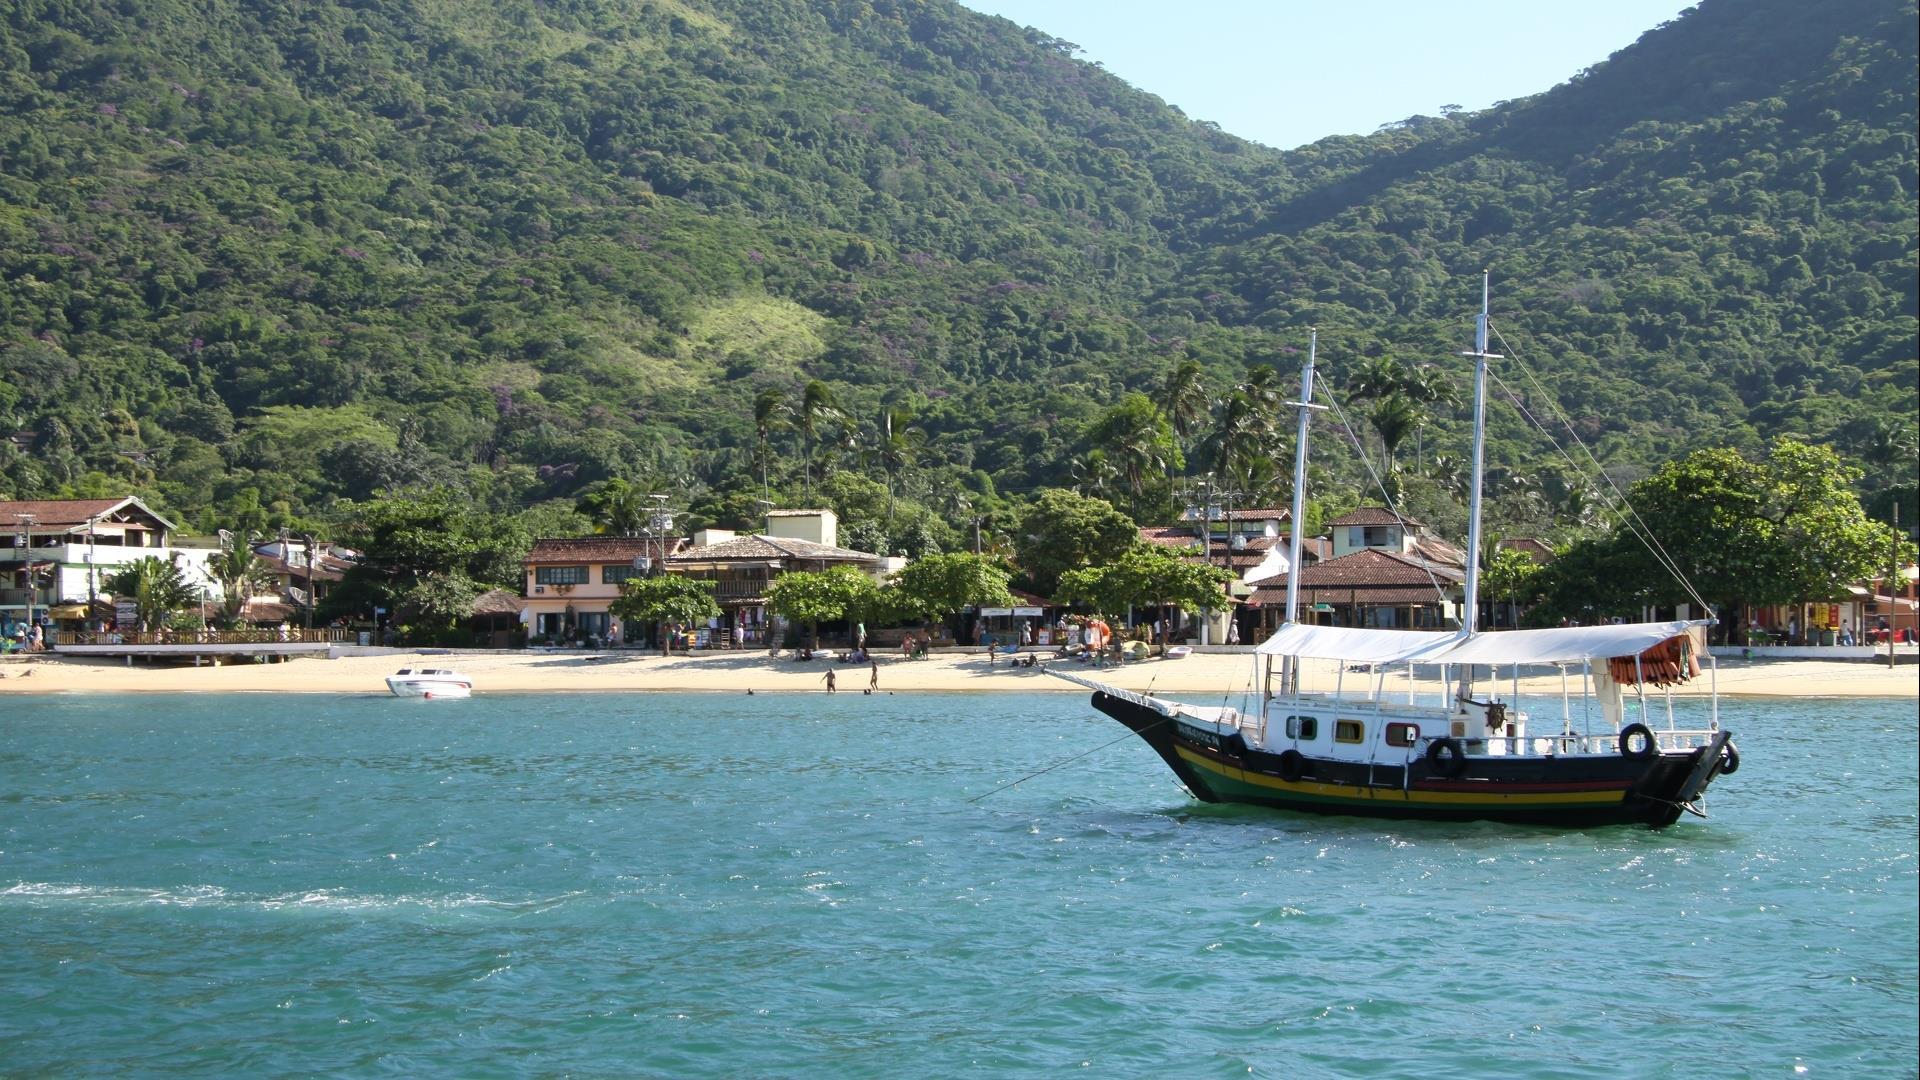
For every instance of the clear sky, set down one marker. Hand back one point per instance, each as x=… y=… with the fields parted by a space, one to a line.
x=1287 y=72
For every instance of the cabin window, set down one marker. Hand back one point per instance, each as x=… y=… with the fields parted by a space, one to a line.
x=1349 y=731
x=560 y=575
x=1402 y=734
x=1302 y=727
x=615 y=573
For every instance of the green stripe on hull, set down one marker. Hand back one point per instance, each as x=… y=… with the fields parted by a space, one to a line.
x=1228 y=784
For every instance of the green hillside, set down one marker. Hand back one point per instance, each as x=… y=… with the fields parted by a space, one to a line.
x=258 y=258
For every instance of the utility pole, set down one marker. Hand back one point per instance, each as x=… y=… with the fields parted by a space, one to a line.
x=93 y=591
x=313 y=599
x=25 y=540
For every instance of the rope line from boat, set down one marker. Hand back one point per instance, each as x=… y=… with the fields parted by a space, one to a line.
x=1636 y=525
x=1616 y=503
x=1071 y=760
x=1354 y=437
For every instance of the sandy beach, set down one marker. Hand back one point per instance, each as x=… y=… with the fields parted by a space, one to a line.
x=741 y=672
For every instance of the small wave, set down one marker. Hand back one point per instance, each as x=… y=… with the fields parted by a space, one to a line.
x=311 y=900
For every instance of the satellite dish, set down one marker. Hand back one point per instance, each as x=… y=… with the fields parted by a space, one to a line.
x=641 y=562
x=1239 y=542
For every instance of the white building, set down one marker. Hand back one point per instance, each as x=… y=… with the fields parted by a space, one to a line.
x=58 y=553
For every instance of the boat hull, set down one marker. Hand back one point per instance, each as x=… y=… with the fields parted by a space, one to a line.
x=407 y=689
x=1565 y=791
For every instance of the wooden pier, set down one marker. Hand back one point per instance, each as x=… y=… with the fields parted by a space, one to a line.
x=202 y=646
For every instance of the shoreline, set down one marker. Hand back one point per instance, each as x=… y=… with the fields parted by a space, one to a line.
x=757 y=673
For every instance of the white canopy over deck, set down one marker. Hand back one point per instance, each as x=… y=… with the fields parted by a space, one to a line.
x=1558 y=645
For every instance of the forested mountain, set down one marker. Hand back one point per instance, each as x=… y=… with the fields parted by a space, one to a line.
x=261 y=256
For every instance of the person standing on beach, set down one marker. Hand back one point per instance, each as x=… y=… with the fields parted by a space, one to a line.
x=873 y=681
x=830 y=687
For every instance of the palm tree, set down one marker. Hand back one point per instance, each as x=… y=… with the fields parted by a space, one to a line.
x=1185 y=402
x=1094 y=475
x=1242 y=435
x=617 y=508
x=770 y=414
x=240 y=575
x=898 y=445
x=1262 y=387
x=157 y=587
x=1378 y=378
x=1394 y=417
x=817 y=406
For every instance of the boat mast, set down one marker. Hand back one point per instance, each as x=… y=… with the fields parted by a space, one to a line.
x=1304 y=407
x=1290 y=670
x=1471 y=612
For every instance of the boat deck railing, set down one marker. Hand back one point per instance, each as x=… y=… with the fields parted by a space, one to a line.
x=1574 y=744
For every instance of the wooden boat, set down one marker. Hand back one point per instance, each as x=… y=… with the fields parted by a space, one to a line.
x=1453 y=755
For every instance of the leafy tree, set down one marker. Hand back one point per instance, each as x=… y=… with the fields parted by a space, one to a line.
x=1507 y=573
x=1145 y=576
x=434 y=608
x=673 y=600
x=1776 y=531
x=812 y=597
x=938 y=586
x=1061 y=531
x=407 y=538
x=158 y=588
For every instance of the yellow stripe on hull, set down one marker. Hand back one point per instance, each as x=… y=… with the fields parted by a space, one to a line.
x=1349 y=793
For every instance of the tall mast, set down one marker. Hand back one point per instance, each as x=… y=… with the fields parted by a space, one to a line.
x=1471 y=614
x=1305 y=407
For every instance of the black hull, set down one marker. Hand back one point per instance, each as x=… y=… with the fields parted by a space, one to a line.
x=1560 y=791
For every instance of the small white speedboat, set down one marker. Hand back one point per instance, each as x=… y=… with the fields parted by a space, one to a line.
x=429 y=683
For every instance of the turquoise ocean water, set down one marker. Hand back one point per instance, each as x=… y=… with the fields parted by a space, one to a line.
x=797 y=885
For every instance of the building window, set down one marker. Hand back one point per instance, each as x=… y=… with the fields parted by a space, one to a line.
x=560 y=575
x=1402 y=734
x=1304 y=728
x=1349 y=731
x=615 y=573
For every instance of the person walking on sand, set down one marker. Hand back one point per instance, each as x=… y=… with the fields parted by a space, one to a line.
x=830 y=687
x=873 y=681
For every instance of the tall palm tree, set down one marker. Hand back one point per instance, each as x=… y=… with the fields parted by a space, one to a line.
x=899 y=443
x=817 y=406
x=1186 y=402
x=1262 y=387
x=1184 y=399
x=1393 y=417
x=1243 y=433
x=1378 y=378
x=770 y=414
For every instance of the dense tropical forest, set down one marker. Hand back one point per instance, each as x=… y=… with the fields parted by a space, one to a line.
x=265 y=261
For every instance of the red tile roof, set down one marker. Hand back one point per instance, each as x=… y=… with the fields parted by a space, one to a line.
x=595 y=549
x=1374 y=515
x=1539 y=549
x=58 y=513
x=1365 y=597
